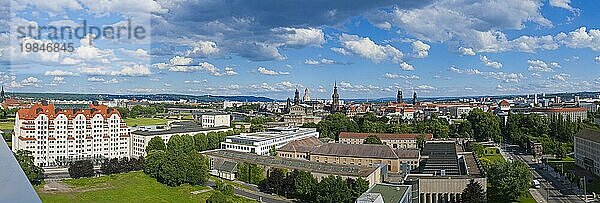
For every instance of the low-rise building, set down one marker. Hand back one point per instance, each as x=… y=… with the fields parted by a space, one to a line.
x=213 y=119
x=299 y=149
x=366 y=154
x=262 y=142
x=142 y=136
x=374 y=173
x=587 y=150
x=394 y=140
x=387 y=193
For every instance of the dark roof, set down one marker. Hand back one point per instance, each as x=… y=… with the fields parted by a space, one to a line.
x=224 y=165
x=363 y=150
x=303 y=145
x=305 y=165
x=178 y=128
x=386 y=136
x=442 y=156
x=589 y=134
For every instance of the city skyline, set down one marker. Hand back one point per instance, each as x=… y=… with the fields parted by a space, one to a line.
x=437 y=48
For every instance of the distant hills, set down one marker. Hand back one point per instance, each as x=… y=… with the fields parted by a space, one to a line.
x=154 y=97
x=210 y=98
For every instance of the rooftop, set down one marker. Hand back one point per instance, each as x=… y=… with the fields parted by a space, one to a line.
x=442 y=157
x=303 y=145
x=389 y=192
x=53 y=111
x=273 y=133
x=325 y=168
x=178 y=128
x=589 y=134
x=385 y=136
x=364 y=150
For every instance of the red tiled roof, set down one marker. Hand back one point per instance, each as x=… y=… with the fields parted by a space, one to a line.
x=51 y=138
x=52 y=112
x=504 y=103
x=385 y=136
x=70 y=138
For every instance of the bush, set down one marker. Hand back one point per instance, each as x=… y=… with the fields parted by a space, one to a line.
x=83 y=168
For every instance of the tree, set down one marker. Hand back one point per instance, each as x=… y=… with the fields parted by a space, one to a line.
x=305 y=186
x=83 y=168
x=250 y=173
x=275 y=181
x=181 y=144
x=218 y=197
x=420 y=141
x=156 y=143
x=34 y=173
x=154 y=160
x=507 y=181
x=372 y=139
x=273 y=151
x=201 y=142
x=357 y=187
x=486 y=126
x=335 y=123
x=473 y=193
x=333 y=189
x=224 y=188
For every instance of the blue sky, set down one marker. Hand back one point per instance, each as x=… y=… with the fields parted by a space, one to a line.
x=372 y=49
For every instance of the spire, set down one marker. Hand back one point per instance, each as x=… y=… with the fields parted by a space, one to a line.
x=415 y=98
x=399 y=98
x=335 y=97
x=296 y=97
x=306 y=96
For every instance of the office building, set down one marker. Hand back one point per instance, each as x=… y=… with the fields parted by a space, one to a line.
x=142 y=135
x=587 y=150
x=261 y=142
x=211 y=120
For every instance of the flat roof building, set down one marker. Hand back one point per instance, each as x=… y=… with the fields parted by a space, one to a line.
x=587 y=150
x=386 y=193
x=142 y=136
x=262 y=142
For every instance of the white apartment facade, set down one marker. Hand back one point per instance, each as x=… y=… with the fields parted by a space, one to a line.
x=56 y=136
x=215 y=120
x=261 y=142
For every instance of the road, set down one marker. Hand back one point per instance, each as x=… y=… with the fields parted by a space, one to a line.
x=254 y=194
x=551 y=189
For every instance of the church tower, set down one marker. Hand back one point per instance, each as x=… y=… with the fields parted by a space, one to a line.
x=2 y=94
x=296 y=97
x=415 y=98
x=335 y=105
x=288 y=105
x=399 y=98
x=306 y=97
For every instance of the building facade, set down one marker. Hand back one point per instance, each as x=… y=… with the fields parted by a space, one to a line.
x=587 y=150
x=142 y=136
x=262 y=142
x=211 y=120
x=57 y=136
x=394 y=140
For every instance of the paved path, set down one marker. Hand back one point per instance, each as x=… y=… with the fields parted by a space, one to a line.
x=255 y=194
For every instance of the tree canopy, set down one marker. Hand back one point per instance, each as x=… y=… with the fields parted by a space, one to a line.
x=34 y=173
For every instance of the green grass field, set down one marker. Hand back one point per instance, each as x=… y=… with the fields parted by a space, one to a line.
x=145 y=121
x=527 y=198
x=7 y=125
x=127 y=187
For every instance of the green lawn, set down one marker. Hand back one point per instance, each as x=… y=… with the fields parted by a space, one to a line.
x=7 y=125
x=526 y=198
x=128 y=187
x=131 y=122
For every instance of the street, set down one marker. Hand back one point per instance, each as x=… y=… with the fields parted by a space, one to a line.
x=551 y=189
